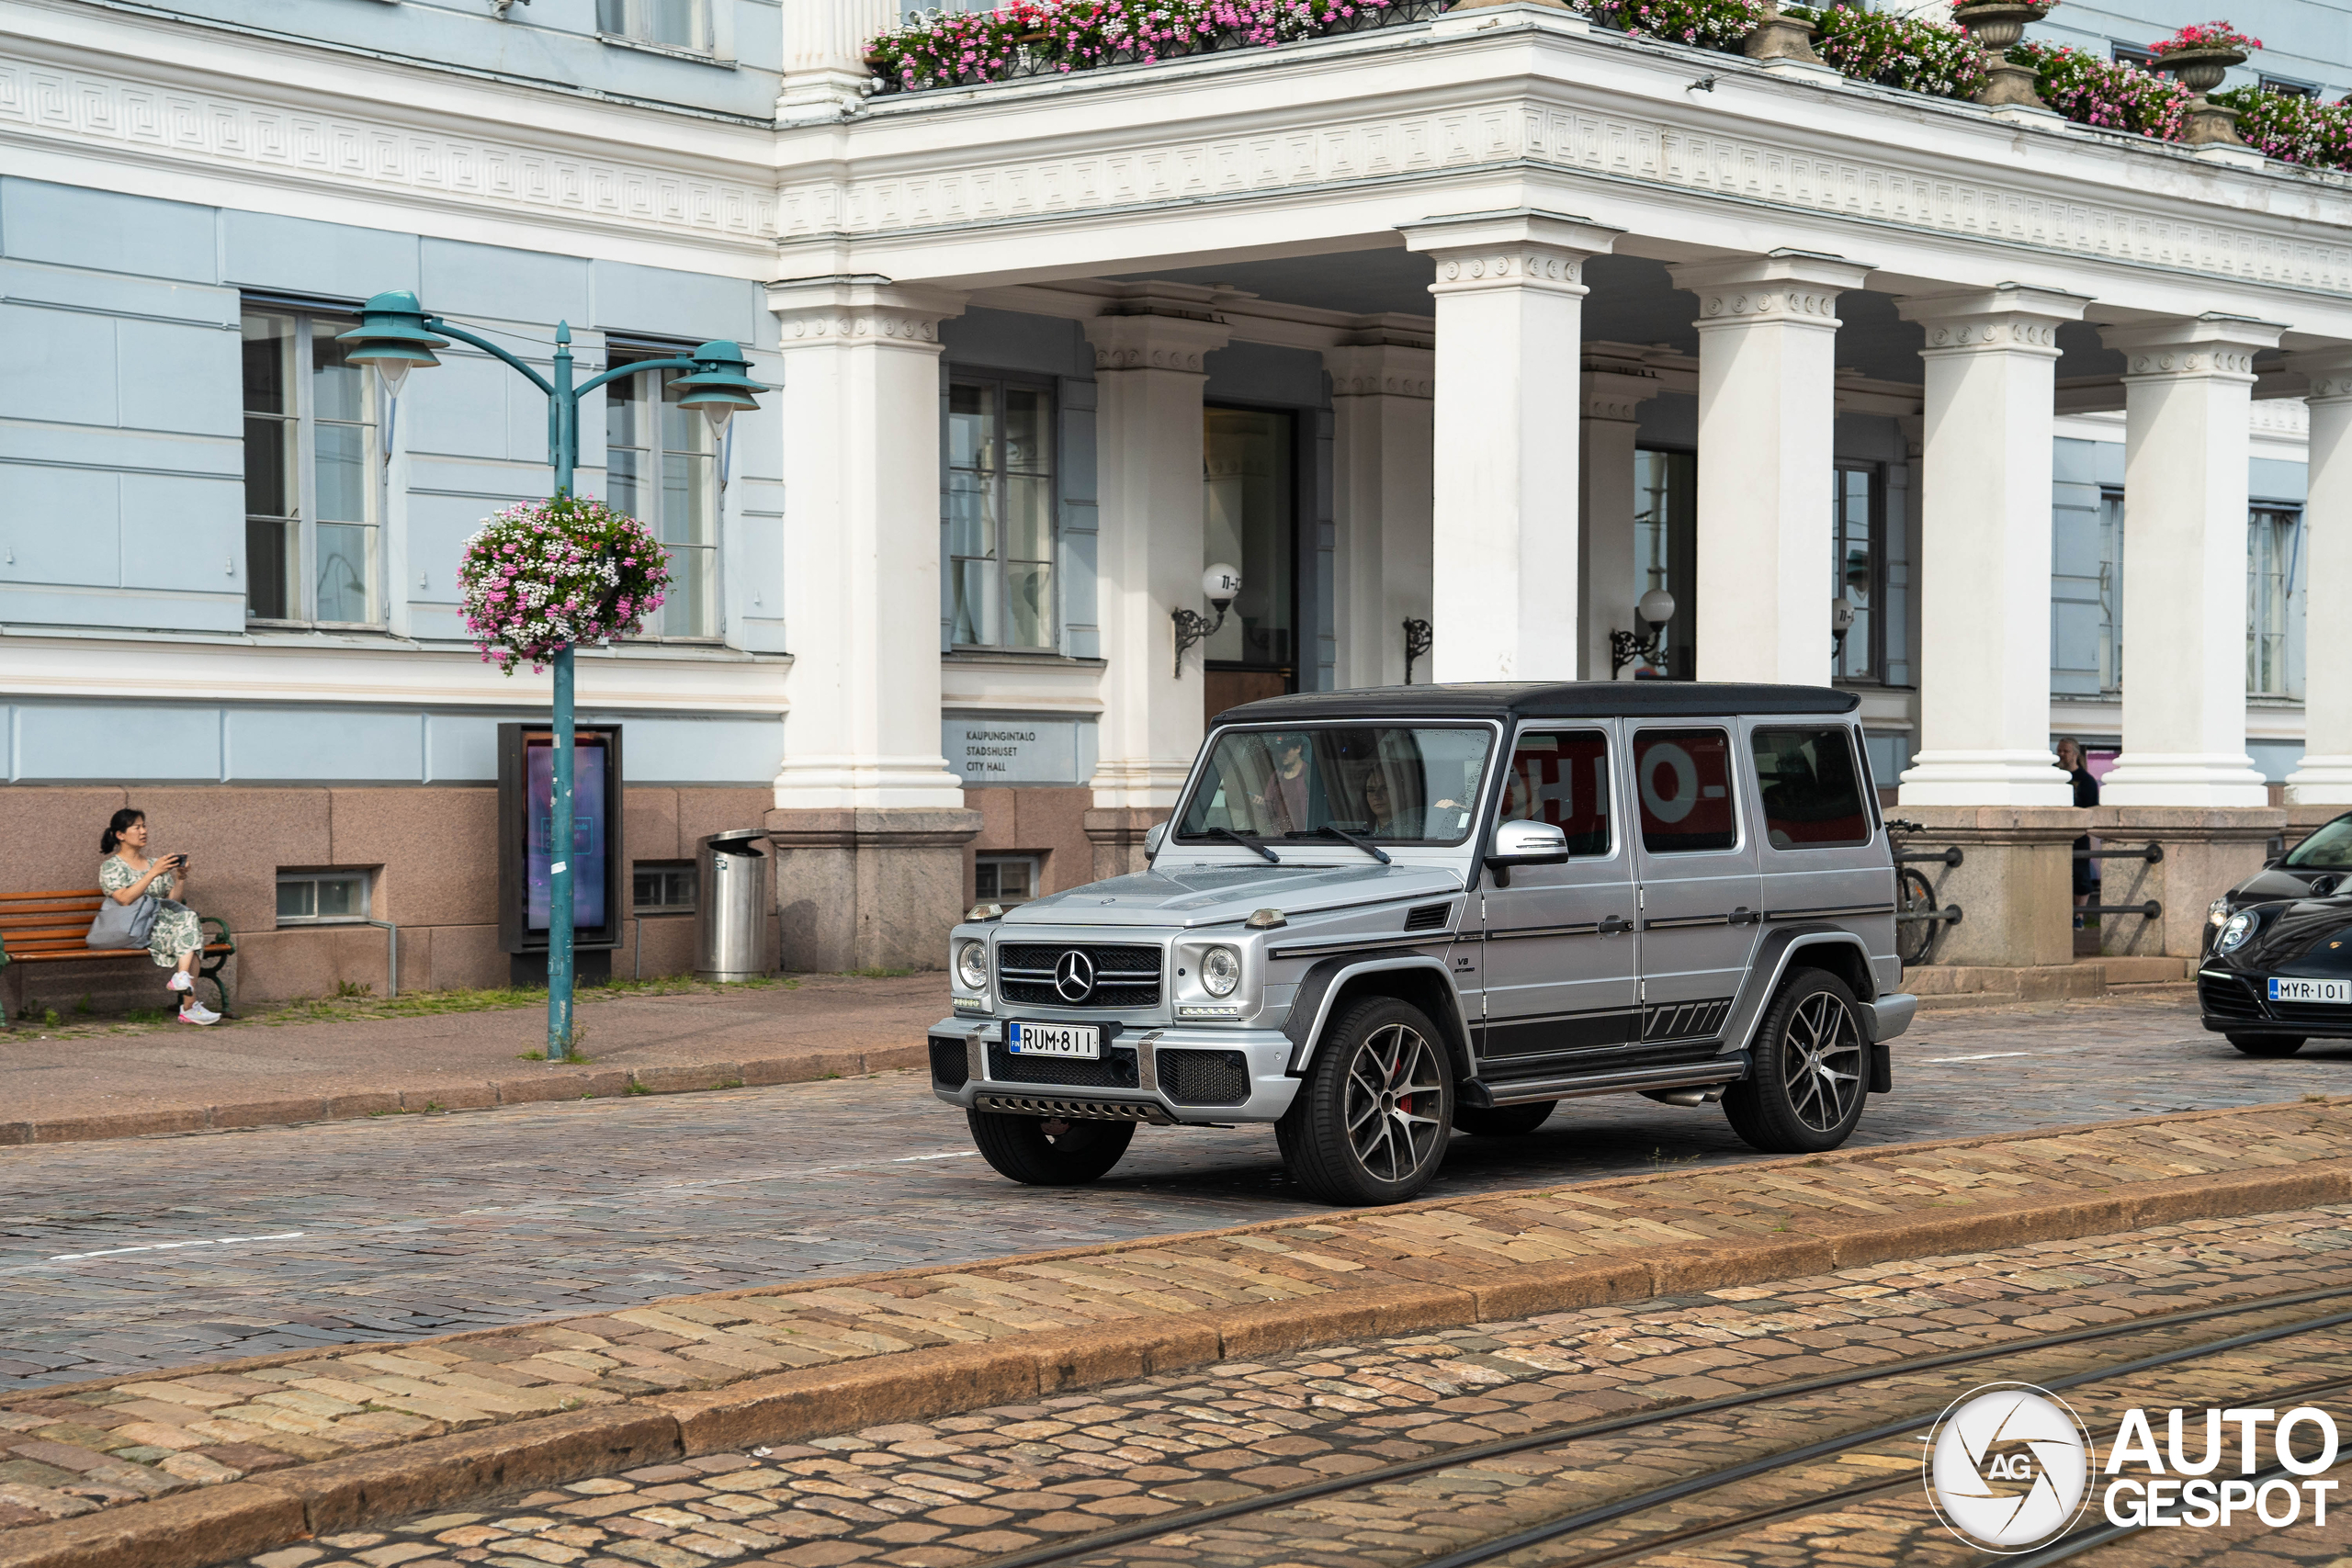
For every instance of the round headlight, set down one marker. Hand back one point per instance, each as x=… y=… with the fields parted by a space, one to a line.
x=2234 y=931
x=1220 y=971
x=2217 y=911
x=972 y=965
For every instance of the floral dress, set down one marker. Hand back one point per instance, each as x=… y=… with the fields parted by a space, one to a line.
x=176 y=928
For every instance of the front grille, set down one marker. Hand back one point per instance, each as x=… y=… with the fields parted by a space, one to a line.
x=2314 y=1015
x=1204 y=1078
x=1428 y=917
x=1124 y=977
x=2226 y=998
x=1115 y=1069
x=951 y=1063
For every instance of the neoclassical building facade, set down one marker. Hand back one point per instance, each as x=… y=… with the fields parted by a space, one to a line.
x=1453 y=337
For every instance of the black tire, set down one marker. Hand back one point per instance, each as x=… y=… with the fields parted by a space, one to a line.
x=1809 y=1072
x=1362 y=1130
x=2267 y=1044
x=1504 y=1121
x=1915 y=940
x=1021 y=1148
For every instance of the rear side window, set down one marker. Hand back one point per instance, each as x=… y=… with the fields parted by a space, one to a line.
x=1684 y=777
x=1562 y=777
x=1810 y=786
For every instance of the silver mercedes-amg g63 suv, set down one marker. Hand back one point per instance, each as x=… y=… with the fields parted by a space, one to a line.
x=1380 y=917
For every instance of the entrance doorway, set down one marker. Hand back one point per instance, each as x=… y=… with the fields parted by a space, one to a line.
x=1250 y=492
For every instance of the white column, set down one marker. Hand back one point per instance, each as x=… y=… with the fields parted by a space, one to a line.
x=2188 y=392
x=1149 y=374
x=1992 y=357
x=824 y=53
x=859 y=409
x=1611 y=406
x=1510 y=337
x=2324 y=777
x=1381 y=453
x=1768 y=364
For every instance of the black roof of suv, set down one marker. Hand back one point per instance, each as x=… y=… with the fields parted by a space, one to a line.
x=1558 y=699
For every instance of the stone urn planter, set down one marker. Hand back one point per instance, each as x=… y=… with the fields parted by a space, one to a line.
x=1778 y=37
x=1994 y=25
x=2200 y=71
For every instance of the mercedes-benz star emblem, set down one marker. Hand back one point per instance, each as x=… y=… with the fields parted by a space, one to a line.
x=1074 y=976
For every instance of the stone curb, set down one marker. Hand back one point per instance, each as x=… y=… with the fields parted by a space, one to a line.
x=556 y=1085
x=216 y=1524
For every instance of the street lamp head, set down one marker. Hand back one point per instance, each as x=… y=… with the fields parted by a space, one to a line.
x=392 y=337
x=718 y=387
x=1842 y=616
x=1657 y=607
x=1220 y=584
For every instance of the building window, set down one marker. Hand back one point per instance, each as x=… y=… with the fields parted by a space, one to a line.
x=2110 y=590
x=2289 y=87
x=2272 y=541
x=1251 y=511
x=673 y=24
x=321 y=898
x=661 y=466
x=2132 y=55
x=311 y=474
x=1000 y=514
x=1666 y=534
x=1856 y=567
x=1004 y=879
x=664 y=887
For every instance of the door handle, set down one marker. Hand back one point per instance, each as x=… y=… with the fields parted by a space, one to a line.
x=1613 y=926
x=1742 y=916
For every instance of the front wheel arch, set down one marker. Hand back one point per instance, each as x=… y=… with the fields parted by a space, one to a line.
x=1420 y=982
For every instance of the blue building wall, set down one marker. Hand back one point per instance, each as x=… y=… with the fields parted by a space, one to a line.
x=122 y=477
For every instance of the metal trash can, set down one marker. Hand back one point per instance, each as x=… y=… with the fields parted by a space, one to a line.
x=730 y=906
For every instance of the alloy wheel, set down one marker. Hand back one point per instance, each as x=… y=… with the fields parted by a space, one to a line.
x=1823 y=1060
x=1396 y=1084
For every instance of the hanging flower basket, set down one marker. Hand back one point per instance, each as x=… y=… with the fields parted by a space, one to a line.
x=553 y=574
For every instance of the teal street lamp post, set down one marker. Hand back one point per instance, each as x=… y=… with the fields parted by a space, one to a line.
x=396 y=336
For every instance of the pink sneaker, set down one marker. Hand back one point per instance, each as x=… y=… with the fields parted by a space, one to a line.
x=179 y=982
x=194 y=1011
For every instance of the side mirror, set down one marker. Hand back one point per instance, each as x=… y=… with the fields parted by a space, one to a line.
x=1525 y=843
x=1153 y=838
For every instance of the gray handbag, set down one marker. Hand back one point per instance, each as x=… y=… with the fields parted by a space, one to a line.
x=123 y=925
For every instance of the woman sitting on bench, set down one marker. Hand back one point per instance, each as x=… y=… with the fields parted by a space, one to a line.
x=178 y=939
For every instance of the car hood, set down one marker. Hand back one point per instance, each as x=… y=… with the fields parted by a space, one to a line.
x=1218 y=895
x=2273 y=884
x=2309 y=936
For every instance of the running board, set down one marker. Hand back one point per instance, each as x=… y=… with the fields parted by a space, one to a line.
x=1481 y=1095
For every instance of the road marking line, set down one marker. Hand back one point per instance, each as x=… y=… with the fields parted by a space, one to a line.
x=169 y=1245
x=952 y=1154
x=1988 y=1057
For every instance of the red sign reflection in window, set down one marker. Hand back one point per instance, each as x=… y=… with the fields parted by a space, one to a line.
x=1684 y=776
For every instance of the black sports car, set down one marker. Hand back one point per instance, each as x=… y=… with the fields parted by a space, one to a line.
x=2278 y=963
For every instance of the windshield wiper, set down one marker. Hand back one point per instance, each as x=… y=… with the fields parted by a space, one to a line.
x=1333 y=830
x=1247 y=842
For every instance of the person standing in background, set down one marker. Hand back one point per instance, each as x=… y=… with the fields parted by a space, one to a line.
x=2070 y=762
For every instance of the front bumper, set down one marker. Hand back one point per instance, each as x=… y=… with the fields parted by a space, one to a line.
x=2235 y=1003
x=968 y=1068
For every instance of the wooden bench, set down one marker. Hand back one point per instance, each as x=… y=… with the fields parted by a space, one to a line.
x=52 y=928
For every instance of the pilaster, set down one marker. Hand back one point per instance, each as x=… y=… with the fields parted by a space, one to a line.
x=1509 y=292
x=2324 y=776
x=1148 y=371
x=2188 y=387
x=1768 y=359
x=1383 y=435
x=1609 y=407
x=824 y=54
x=1985 y=537
x=860 y=412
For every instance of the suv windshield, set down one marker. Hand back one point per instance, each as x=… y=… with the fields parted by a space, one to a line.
x=2329 y=849
x=1389 y=783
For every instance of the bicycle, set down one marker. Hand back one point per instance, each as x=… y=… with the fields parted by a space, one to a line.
x=1918 y=922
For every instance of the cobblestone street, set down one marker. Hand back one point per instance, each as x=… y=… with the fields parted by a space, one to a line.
x=967 y=1488
x=147 y=1253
